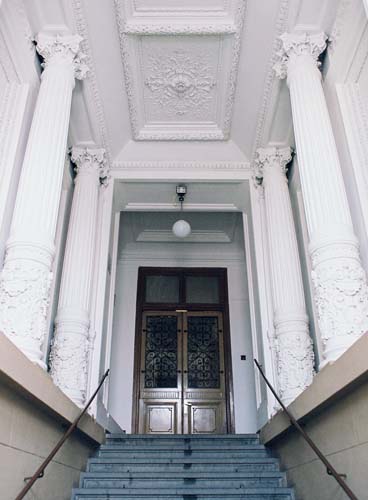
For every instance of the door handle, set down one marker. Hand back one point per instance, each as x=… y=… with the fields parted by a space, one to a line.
x=178 y=371
x=189 y=404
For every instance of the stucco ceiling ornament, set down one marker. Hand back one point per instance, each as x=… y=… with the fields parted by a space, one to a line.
x=62 y=48
x=298 y=44
x=181 y=82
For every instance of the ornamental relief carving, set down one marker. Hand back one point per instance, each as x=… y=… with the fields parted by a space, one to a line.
x=181 y=82
x=69 y=359
x=295 y=363
x=341 y=295
x=24 y=300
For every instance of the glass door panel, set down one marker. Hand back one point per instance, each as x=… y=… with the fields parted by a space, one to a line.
x=182 y=379
x=160 y=403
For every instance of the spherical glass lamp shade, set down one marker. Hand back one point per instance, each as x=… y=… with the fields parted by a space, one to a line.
x=181 y=228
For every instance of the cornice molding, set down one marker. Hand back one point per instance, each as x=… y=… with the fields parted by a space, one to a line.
x=180 y=165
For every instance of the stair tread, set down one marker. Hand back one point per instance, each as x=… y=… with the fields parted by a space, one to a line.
x=186 y=473
x=183 y=467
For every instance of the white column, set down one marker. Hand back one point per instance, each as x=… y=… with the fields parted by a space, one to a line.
x=340 y=284
x=294 y=350
x=26 y=277
x=71 y=345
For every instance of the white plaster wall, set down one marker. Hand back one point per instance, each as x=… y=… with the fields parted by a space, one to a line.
x=122 y=357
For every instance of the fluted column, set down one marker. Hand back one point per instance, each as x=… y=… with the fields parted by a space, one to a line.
x=26 y=277
x=294 y=350
x=340 y=284
x=70 y=347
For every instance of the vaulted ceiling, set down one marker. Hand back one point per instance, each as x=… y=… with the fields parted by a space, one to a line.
x=187 y=80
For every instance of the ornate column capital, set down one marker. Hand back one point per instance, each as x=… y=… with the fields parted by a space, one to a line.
x=61 y=49
x=296 y=45
x=271 y=158
x=89 y=160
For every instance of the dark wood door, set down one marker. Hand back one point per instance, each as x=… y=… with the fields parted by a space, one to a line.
x=182 y=373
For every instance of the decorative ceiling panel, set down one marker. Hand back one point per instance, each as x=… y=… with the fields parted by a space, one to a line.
x=180 y=71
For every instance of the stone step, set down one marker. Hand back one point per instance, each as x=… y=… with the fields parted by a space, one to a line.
x=182 y=494
x=189 y=480
x=169 y=453
x=179 y=445
x=183 y=439
x=119 y=465
x=174 y=437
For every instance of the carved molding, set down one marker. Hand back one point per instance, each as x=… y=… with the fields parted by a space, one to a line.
x=295 y=45
x=219 y=131
x=281 y=25
x=179 y=28
x=91 y=85
x=183 y=10
x=181 y=165
x=338 y=26
x=60 y=48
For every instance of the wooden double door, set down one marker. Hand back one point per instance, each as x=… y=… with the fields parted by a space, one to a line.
x=182 y=373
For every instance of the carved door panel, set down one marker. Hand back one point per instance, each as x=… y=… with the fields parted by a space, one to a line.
x=182 y=380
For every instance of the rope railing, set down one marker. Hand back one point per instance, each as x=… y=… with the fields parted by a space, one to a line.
x=41 y=469
x=329 y=468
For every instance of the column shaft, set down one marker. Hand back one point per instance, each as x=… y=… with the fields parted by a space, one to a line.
x=70 y=348
x=340 y=286
x=26 y=278
x=293 y=344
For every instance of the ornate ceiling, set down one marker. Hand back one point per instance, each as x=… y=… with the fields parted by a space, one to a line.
x=180 y=82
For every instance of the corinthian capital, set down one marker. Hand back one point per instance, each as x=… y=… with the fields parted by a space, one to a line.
x=90 y=160
x=62 y=49
x=271 y=158
x=295 y=45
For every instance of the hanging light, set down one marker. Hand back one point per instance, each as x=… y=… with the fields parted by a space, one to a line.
x=181 y=227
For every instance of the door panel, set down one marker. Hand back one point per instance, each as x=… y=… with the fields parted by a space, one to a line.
x=204 y=374
x=160 y=375
x=182 y=381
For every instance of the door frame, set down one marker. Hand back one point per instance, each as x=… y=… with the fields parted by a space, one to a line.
x=223 y=307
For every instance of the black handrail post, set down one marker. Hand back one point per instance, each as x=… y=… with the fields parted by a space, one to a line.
x=329 y=468
x=41 y=470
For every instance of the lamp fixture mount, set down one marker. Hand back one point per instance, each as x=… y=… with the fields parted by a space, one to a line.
x=181 y=191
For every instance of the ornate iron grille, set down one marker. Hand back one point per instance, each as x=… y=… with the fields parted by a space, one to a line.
x=161 y=356
x=203 y=353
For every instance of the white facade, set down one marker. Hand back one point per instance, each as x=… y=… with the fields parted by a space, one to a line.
x=260 y=108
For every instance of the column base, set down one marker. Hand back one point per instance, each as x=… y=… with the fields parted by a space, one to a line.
x=70 y=353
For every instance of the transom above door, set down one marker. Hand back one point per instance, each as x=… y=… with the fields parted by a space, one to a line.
x=183 y=362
